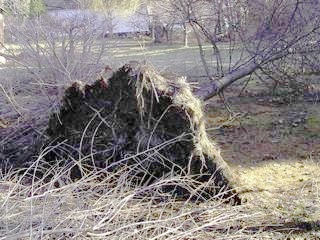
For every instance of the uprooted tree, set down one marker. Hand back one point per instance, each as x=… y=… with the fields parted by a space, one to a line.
x=138 y=118
x=138 y=113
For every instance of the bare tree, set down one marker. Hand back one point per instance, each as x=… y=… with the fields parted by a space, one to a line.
x=158 y=20
x=185 y=11
x=269 y=37
x=18 y=8
x=57 y=48
x=167 y=14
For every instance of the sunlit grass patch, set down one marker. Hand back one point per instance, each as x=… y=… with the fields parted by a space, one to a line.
x=287 y=191
x=279 y=175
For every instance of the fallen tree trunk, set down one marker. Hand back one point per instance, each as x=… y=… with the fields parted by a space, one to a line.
x=210 y=89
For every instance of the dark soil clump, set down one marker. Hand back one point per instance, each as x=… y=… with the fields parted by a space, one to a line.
x=136 y=118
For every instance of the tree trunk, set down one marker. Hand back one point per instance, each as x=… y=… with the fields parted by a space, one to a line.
x=158 y=33
x=208 y=90
x=153 y=32
x=1 y=30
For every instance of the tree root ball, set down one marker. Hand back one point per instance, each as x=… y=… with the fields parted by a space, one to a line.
x=138 y=117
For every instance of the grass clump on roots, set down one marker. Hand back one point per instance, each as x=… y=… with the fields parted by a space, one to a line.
x=137 y=117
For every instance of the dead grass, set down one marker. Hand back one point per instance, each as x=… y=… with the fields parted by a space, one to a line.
x=108 y=207
x=104 y=205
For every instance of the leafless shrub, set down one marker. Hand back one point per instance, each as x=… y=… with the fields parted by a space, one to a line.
x=59 y=48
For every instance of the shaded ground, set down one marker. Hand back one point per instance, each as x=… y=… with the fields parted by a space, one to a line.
x=265 y=132
x=275 y=151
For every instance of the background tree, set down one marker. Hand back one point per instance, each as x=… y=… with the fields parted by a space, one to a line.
x=19 y=8
x=167 y=14
x=2 y=59
x=271 y=39
x=110 y=9
x=122 y=7
x=162 y=20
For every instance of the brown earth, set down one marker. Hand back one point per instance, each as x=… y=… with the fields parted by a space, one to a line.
x=275 y=150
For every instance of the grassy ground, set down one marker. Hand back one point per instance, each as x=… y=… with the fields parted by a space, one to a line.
x=273 y=148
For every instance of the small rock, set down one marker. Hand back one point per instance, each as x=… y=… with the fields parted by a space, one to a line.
x=280 y=121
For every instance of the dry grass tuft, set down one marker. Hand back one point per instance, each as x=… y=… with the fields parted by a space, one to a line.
x=106 y=205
